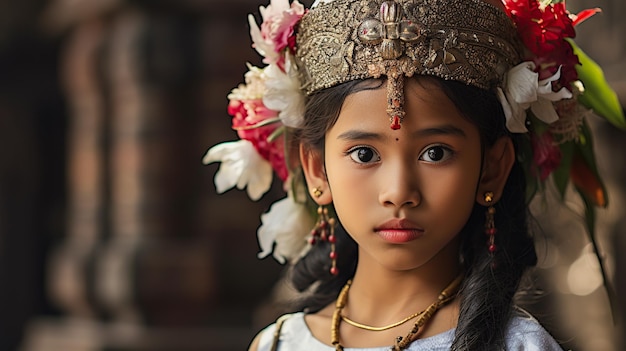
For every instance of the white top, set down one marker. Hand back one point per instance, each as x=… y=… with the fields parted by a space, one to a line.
x=524 y=333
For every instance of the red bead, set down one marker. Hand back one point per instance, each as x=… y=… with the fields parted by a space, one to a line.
x=312 y=241
x=492 y=248
x=333 y=255
x=332 y=239
x=395 y=123
x=491 y=231
x=334 y=270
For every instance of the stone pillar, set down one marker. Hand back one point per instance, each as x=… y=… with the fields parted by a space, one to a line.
x=152 y=258
x=132 y=272
x=71 y=264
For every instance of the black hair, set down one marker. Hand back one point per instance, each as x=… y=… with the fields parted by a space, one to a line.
x=491 y=279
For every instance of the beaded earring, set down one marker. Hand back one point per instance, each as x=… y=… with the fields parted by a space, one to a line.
x=490 y=226
x=324 y=230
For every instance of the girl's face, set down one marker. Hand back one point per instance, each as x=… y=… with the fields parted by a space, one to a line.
x=403 y=195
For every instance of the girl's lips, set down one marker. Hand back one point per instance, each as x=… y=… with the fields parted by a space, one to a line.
x=399 y=231
x=399 y=236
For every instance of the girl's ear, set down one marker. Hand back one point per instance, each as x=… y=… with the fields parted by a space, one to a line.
x=315 y=174
x=497 y=165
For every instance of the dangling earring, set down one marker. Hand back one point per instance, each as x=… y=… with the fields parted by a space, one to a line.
x=324 y=230
x=490 y=226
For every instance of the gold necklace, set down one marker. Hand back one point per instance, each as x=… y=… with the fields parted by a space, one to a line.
x=401 y=343
x=372 y=328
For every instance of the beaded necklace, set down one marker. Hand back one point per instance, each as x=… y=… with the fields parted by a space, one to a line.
x=448 y=294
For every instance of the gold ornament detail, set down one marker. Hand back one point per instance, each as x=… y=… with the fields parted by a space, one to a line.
x=464 y=40
x=317 y=192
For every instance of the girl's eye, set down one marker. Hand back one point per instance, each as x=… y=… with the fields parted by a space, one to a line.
x=363 y=154
x=436 y=154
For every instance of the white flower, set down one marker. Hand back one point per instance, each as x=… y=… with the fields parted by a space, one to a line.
x=241 y=166
x=523 y=90
x=264 y=48
x=253 y=88
x=284 y=230
x=283 y=94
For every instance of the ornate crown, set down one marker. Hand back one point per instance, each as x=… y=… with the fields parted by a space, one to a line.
x=463 y=40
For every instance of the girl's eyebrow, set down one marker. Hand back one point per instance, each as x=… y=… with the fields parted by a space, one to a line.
x=446 y=129
x=359 y=135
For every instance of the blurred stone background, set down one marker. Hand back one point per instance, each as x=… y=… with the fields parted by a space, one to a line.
x=111 y=234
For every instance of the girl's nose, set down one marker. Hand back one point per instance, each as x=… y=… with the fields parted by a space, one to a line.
x=400 y=186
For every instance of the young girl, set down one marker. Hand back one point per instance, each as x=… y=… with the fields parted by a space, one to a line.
x=408 y=122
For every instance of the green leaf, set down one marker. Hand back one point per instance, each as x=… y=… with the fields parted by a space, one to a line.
x=561 y=175
x=585 y=147
x=598 y=95
x=525 y=158
x=584 y=171
x=590 y=216
x=276 y=133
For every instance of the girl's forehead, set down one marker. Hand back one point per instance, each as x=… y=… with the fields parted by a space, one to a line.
x=423 y=89
x=426 y=105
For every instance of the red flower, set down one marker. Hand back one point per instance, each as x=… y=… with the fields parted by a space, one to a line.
x=247 y=114
x=543 y=31
x=584 y=15
x=561 y=56
x=546 y=154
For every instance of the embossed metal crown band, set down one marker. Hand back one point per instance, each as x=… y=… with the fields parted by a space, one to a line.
x=464 y=40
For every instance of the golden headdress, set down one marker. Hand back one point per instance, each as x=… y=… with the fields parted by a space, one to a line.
x=465 y=40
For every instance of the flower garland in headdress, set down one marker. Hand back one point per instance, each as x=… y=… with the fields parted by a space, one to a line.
x=263 y=108
x=571 y=87
x=548 y=96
